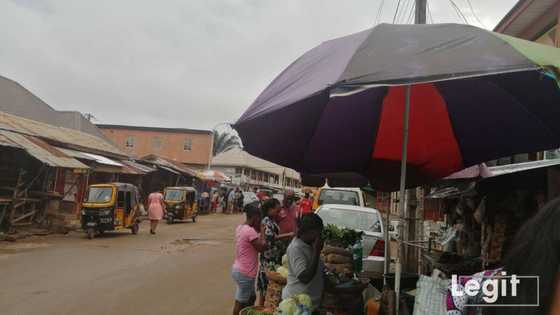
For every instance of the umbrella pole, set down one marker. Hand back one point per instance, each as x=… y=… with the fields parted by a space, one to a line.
x=402 y=193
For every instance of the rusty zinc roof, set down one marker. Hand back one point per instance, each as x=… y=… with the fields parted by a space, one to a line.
x=41 y=150
x=65 y=136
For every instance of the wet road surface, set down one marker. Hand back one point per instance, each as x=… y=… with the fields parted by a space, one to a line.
x=184 y=269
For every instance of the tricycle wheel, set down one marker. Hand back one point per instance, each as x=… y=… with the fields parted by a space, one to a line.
x=169 y=220
x=90 y=233
x=135 y=228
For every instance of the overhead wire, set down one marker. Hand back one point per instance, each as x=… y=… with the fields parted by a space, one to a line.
x=429 y=12
x=404 y=10
x=474 y=13
x=459 y=12
x=379 y=12
x=396 y=11
x=411 y=15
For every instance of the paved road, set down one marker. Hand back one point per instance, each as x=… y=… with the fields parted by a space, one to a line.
x=184 y=269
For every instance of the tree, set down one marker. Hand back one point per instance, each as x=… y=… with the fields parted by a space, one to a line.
x=225 y=141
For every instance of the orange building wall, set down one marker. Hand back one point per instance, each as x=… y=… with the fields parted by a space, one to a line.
x=171 y=144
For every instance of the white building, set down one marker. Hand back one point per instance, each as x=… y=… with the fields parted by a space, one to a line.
x=250 y=171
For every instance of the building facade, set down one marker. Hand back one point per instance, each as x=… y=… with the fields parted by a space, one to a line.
x=188 y=146
x=249 y=171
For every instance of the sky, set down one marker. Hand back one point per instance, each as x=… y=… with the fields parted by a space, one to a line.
x=182 y=63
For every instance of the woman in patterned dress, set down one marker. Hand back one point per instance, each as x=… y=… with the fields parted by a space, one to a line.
x=272 y=256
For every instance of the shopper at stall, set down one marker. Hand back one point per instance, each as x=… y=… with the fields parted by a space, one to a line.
x=248 y=244
x=305 y=267
x=272 y=256
x=287 y=218
x=306 y=205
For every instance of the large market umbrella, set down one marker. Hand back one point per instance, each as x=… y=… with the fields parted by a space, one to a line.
x=407 y=104
x=474 y=96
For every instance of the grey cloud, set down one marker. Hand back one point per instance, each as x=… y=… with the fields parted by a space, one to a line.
x=176 y=63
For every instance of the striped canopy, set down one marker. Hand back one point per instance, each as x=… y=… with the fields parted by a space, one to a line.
x=337 y=111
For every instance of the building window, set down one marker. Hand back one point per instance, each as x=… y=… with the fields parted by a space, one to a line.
x=238 y=170
x=129 y=142
x=187 y=145
x=156 y=143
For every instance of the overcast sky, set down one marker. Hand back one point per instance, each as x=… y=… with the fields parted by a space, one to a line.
x=180 y=63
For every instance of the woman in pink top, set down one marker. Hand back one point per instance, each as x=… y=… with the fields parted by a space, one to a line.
x=156 y=209
x=248 y=244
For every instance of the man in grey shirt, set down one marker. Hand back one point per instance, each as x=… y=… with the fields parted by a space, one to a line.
x=305 y=267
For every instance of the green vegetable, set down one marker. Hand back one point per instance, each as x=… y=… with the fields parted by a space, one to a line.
x=346 y=237
x=288 y=306
x=283 y=271
x=304 y=299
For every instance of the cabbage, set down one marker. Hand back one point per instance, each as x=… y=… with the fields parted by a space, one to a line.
x=304 y=300
x=283 y=271
x=287 y=307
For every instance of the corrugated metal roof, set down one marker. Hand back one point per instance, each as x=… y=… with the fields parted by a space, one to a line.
x=169 y=164
x=59 y=134
x=42 y=151
x=238 y=157
x=140 y=167
x=521 y=167
x=5 y=142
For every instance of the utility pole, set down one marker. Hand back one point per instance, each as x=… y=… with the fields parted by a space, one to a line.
x=420 y=14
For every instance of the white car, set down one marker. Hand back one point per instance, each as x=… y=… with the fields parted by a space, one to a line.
x=367 y=220
x=249 y=197
x=341 y=196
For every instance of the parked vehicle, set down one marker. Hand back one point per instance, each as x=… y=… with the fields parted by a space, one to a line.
x=367 y=220
x=110 y=207
x=339 y=196
x=180 y=203
x=249 y=197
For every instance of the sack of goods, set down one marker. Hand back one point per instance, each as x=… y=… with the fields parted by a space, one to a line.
x=337 y=253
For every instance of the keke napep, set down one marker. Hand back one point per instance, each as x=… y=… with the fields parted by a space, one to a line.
x=180 y=203
x=110 y=207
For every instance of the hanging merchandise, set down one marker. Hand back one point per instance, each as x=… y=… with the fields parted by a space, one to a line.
x=430 y=296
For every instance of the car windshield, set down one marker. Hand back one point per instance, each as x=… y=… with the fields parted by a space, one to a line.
x=99 y=194
x=174 y=195
x=356 y=220
x=339 y=197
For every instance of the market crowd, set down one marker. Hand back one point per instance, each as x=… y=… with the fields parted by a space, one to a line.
x=271 y=230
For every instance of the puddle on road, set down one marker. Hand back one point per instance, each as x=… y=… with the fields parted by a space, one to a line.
x=182 y=245
x=195 y=241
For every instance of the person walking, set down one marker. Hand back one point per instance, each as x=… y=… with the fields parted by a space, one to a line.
x=239 y=200
x=248 y=243
x=215 y=201
x=287 y=218
x=230 y=201
x=156 y=210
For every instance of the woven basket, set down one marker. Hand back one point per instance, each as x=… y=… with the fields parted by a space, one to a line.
x=246 y=310
x=276 y=284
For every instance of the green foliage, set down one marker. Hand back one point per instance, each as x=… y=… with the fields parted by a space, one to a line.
x=225 y=141
x=346 y=237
